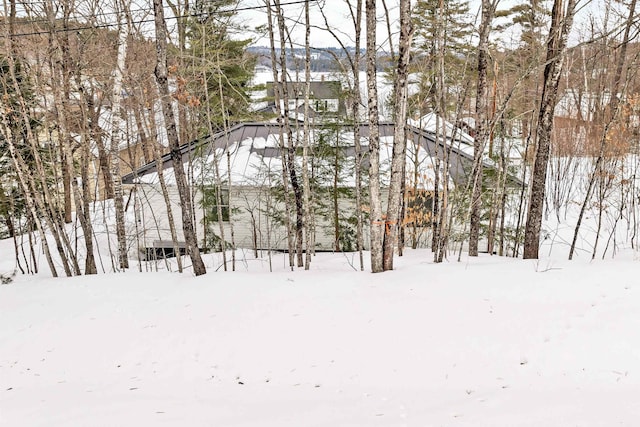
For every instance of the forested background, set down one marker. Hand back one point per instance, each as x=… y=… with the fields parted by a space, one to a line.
x=90 y=91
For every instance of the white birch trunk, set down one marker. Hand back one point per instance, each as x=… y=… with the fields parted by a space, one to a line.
x=161 y=74
x=376 y=220
x=399 y=156
x=116 y=123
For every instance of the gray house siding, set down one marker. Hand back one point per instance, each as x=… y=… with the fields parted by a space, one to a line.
x=254 y=213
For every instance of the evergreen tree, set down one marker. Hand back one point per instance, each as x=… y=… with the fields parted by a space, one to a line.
x=433 y=20
x=216 y=79
x=530 y=20
x=531 y=17
x=11 y=201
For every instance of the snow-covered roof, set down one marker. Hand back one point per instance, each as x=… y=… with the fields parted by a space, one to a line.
x=255 y=156
x=433 y=123
x=251 y=154
x=258 y=162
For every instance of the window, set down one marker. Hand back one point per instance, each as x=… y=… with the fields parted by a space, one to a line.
x=212 y=197
x=332 y=105
x=322 y=105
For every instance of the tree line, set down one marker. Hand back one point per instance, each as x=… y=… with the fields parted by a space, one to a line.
x=91 y=91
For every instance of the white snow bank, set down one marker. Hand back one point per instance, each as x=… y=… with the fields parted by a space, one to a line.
x=452 y=344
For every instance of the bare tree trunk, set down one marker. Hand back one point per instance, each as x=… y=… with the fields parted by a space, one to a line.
x=435 y=205
x=482 y=125
x=181 y=8
x=306 y=186
x=356 y=100
x=444 y=219
x=602 y=189
x=334 y=195
x=521 y=199
x=90 y=261
x=497 y=200
x=225 y=124
x=291 y=147
x=440 y=198
x=86 y=180
x=216 y=160
x=7 y=209
x=65 y=154
x=21 y=170
x=116 y=123
x=61 y=97
x=95 y=132
x=231 y=227
x=387 y=20
x=504 y=174
x=282 y=111
x=42 y=205
x=65 y=160
x=155 y=149
x=561 y=21
x=614 y=106
x=376 y=220
x=174 y=143
x=399 y=138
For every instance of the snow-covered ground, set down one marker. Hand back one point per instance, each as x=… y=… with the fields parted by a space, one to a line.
x=485 y=342
x=488 y=341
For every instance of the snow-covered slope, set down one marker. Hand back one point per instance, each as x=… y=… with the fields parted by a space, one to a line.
x=487 y=342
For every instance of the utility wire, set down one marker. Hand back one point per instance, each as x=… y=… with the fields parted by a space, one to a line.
x=145 y=21
x=79 y=15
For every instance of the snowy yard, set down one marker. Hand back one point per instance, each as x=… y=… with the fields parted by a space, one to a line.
x=485 y=342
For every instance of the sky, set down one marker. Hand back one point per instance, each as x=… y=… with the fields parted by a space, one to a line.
x=336 y=12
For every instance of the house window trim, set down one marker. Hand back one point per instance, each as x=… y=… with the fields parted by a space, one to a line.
x=211 y=212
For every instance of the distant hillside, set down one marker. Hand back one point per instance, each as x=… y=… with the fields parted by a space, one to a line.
x=322 y=60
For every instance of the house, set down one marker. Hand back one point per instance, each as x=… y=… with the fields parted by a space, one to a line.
x=326 y=97
x=236 y=177
x=131 y=156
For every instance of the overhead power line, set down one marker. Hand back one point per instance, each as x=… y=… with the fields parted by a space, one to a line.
x=145 y=21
